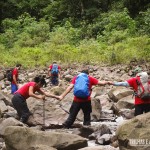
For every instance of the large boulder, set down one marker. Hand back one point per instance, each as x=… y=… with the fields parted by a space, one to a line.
x=100 y=90
x=56 y=112
x=41 y=147
x=119 y=92
x=3 y=107
x=50 y=111
x=134 y=134
x=100 y=131
x=126 y=102
x=108 y=147
x=104 y=101
x=127 y=113
x=2 y=76
x=22 y=138
x=96 y=109
x=8 y=122
x=6 y=98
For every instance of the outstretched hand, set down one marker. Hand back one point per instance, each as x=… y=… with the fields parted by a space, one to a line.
x=57 y=97
x=60 y=97
x=110 y=82
x=42 y=97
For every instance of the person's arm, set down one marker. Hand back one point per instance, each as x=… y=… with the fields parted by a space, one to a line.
x=70 y=87
x=59 y=73
x=125 y=84
x=49 y=72
x=15 y=73
x=31 y=93
x=14 y=79
x=47 y=94
x=102 y=82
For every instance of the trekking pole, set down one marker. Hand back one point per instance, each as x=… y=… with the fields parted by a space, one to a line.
x=66 y=111
x=43 y=113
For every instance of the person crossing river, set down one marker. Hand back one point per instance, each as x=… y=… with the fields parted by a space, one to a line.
x=26 y=91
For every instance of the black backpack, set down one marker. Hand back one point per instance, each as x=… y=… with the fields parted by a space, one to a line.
x=9 y=75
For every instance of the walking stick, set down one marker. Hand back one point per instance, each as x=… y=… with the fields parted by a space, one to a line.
x=43 y=113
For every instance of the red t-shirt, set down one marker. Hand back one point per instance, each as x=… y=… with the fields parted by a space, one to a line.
x=24 y=90
x=51 y=66
x=92 y=81
x=133 y=84
x=15 y=72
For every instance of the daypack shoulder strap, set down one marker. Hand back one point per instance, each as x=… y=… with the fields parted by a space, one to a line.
x=138 y=82
x=140 y=88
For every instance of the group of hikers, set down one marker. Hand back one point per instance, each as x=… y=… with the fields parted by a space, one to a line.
x=53 y=73
x=82 y=89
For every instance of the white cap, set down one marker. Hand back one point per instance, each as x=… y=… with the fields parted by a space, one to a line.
x=143 y=76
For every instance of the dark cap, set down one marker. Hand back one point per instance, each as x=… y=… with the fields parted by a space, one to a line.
x=137 y=70
x=85 y=70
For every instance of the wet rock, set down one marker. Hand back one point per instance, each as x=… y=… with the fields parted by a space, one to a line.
x=134 y=133
x=23 y=138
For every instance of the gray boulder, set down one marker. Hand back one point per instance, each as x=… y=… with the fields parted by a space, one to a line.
x=134 y=134
x=23 y=138
x=119 y=92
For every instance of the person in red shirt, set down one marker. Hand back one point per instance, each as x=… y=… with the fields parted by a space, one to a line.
x=141 y=106
x=14 y=83
x=26 y=91
x=54 y=73
x=80 y=103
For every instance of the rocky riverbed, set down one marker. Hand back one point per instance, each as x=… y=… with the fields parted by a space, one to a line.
x=112 y=108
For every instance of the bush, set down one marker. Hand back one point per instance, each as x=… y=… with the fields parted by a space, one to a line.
x=143 y=22
x=132 y=47
x=25 y=31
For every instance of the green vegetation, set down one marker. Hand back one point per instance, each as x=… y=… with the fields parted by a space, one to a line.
x=92 y=31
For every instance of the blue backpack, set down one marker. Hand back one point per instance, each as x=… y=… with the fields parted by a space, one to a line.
x=54 y=70
x=81 y=86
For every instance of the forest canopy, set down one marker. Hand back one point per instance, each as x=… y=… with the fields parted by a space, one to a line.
x=34 y=32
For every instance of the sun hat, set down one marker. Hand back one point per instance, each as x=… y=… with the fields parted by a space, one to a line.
x=143 y=76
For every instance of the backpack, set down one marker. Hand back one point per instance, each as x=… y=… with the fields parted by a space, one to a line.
x=9 y=75
x=81 y=86
x=143 y=90
x=54 y=70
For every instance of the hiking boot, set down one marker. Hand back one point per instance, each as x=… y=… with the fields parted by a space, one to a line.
x=87 y=123
x=22 y=120
x=65 y=126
